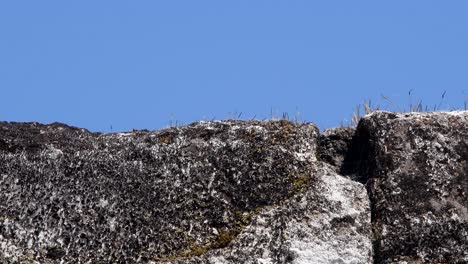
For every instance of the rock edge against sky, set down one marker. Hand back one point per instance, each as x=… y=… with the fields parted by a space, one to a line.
x=393 y=190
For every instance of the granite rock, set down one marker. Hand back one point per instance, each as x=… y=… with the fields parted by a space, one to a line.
x=335 y=148
x=393 y=190
x=417 y=167
x=209 y=192
x=327 y=222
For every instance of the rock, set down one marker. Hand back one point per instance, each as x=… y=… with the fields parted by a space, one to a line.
x=238 y=192
x=227 y=191
x=417 y=165
x=328 y=222
x=334 y=144
x=334 y=147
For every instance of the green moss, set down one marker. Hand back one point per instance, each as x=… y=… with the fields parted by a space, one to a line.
x=193 y=251
x=167 y=138
x=222 y=240
x=301 y=181
x=198 y=251
x=243 y=219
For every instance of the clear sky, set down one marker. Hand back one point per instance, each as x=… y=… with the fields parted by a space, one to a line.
x=144 y=64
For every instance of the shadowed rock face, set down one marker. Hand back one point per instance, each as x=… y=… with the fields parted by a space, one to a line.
x=418 y=171
x=334 y=146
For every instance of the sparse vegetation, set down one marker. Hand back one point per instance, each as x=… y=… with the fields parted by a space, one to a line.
x=166 y=138
x=361 y=110
x=222 y=240
x=368 y=107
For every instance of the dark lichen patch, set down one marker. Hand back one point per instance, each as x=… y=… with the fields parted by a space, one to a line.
x=55 y=252
x=343 y=221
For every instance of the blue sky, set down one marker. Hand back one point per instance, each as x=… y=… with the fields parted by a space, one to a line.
x=145 y=64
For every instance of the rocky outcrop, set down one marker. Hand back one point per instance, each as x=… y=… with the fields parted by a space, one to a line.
x=393 y=190
x=326 y=222
x=210 y=192
x=418 y=169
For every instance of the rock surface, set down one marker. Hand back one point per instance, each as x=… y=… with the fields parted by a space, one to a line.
x=334 y=145
x=418 y=169
x=238 y=192
x=328 y=222
x=334 y=148
x=210 y=192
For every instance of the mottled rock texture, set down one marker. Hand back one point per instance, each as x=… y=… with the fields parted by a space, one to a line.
x=238 y=192
x=327 y=222
x=210 y=192
x=417 y=165
x=335 y=147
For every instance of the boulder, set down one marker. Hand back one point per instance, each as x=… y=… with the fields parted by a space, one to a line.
x=238 y=192
x=327 y=222
x=209 y=192
x=417 y=166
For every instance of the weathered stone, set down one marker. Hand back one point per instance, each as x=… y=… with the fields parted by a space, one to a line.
x=207 y=191
x=328 y=222
x=237 y=192
x=334 y=148
x=417 y=165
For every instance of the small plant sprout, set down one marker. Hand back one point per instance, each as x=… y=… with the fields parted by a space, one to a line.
x=441 y=100
x=391 y=103
x=358 y=113
x=412 y=107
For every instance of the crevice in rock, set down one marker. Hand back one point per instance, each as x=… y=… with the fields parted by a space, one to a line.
x=414 y=170
x=359 y=165
x=349 y=151
x=333 y=146
x=357 y=162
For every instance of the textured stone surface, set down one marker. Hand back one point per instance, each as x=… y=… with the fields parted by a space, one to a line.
x=218 y=190
x=418 y=169
x=328 y=222
x=334 y=145
x=238 y=192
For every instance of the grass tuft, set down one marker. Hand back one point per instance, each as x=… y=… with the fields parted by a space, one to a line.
x=366 y=107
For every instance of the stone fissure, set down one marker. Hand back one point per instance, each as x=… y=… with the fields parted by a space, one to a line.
x=412 y=164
